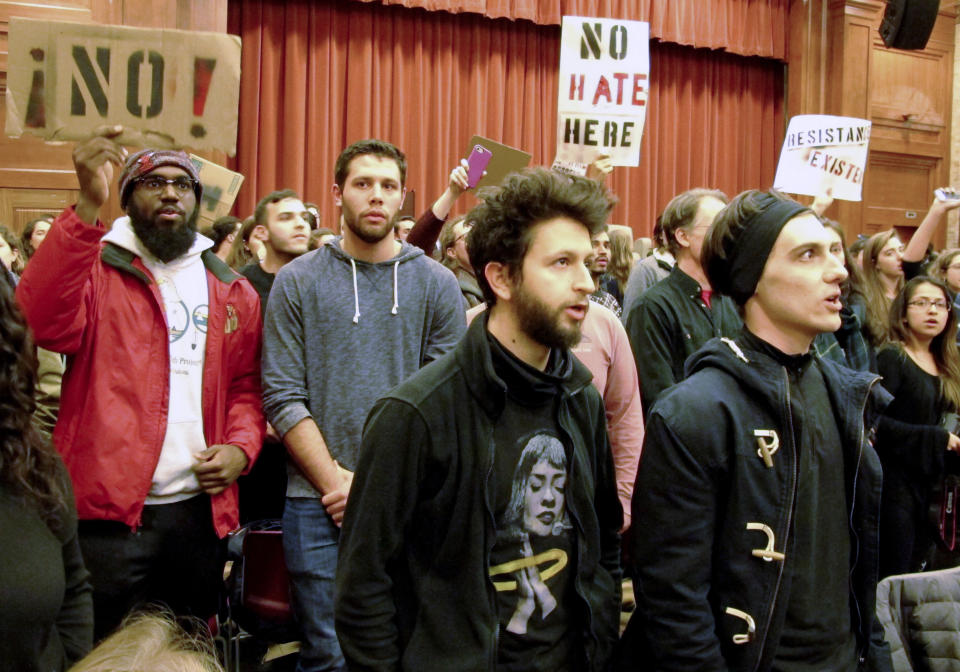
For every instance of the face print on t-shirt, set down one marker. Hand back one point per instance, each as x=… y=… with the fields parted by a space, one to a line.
x=533 y=535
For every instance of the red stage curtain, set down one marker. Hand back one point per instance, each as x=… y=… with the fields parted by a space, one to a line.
x=320 y=75
x=745 y=27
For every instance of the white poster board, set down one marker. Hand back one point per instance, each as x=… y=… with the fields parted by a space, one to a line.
x=602 y=97
x=169 y=88
x=824 y=152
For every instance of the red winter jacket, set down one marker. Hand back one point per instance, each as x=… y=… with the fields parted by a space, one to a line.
x=98 y=304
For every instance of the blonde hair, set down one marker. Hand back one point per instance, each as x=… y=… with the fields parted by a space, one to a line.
x=151 y=642
x=939 y=267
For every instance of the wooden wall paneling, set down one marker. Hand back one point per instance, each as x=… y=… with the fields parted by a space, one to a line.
x=808 y=53
x=898 y=193
x=44 y=171
x=907 y=95
x=27 y=204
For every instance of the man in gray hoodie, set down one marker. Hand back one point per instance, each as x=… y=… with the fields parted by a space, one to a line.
x=345 y=324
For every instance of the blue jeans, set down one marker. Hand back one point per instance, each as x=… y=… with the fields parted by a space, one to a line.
x=310 y=541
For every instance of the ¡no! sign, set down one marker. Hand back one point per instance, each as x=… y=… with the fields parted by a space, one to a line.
x=174 y=88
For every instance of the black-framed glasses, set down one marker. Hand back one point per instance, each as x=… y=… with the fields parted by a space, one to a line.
x=157 y=183
x=923 y=304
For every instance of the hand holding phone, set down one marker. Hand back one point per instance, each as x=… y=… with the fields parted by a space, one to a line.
x=477 y=164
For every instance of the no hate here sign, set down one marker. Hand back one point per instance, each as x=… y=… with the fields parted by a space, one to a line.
x=604 y=83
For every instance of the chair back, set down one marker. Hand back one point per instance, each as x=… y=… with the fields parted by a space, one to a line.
x=265 y=591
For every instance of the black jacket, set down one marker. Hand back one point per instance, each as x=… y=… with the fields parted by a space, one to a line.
x=669 y=323
x=413 y=591
x=705 y=600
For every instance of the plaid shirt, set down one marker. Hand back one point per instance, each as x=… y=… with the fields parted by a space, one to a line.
x=605 y=299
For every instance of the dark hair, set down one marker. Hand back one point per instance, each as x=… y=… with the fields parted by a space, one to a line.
x=312 y=219
x=316 y=235
x=852 y=283
x=681 y=211
x=239 y=255
x=379 y=148
x=26 y=247
x=658 y=242
x=405 y=218
x=504 y=219
x=726 y=230
x=260 y=212
x=15 y=245
x=943 y=347
x=29 y=467
x=220 y=229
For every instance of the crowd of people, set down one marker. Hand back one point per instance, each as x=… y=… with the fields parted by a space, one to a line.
x=473 y=428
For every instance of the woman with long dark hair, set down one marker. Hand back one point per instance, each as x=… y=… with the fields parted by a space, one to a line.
x=33 y=235
x=921 y=369
x=46 y=608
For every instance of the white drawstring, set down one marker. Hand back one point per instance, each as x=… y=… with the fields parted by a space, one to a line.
x=356 y=296
x=396 y=303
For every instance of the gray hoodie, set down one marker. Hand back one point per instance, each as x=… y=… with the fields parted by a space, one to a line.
x=339 y=333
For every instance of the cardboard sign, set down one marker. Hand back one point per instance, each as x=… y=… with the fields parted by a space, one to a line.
x=602 y=97
x=170 y=88
x=824 y=152
x=503 y=161
x=220 y=187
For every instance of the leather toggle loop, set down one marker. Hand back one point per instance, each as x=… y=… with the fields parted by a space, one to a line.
x=768 y=443
x=748 y=636
x=767 y=553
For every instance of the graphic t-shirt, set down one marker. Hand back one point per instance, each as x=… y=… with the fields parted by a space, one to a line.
x=183 y=288
x=532 y=563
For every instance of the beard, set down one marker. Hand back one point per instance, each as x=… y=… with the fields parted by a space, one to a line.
x=166 y=243
x=370 y=234
x=543 y=324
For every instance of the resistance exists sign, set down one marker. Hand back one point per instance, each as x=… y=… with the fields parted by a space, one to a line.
x=602 y=97
x=171 y=88
x=823 y=152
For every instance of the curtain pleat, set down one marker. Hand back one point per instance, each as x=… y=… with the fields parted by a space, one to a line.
x=319 y=75
x=745 y=27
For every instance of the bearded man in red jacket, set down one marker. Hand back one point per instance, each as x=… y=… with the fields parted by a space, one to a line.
x=160 y=406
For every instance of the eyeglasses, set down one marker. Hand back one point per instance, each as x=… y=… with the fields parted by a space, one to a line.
x=923 y=304
x=156 y=183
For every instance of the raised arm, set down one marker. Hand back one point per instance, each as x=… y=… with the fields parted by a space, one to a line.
x=916 y=249
x=425 y=232
x=54 y=285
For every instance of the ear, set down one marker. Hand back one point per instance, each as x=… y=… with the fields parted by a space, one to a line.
x=338 y=196
x=500 y=280
x=260 y=233
x=682 y=237
x=403 y=197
